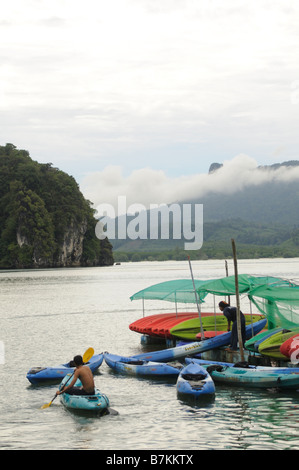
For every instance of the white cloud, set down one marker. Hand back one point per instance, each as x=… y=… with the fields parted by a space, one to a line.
x=170 y=85
x=147 y=186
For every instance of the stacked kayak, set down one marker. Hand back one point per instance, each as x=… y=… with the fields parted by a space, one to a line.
x=290 y=348
x=257 y=378
x=195 y=381
x=130 y=366
x=271 y=346
x=198 y=347
x=189 y=329
x=97 y=402
x=253 y=343
x=160 y=324
x=38 y=375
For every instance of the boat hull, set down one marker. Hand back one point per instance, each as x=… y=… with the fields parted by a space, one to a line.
x=198 y=347
x=189 y=329
x=129 y=366
x=281 y=370
x=97 y=402
x=195 y=381
x=37 y=375
x=271 y=346
x=254 y=378
x=253 y=343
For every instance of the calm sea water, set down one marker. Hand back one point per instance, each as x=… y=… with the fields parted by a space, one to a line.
x=48 y=316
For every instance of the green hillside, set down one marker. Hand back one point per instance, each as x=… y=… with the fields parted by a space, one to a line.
x=263 y=219
x=45 y=220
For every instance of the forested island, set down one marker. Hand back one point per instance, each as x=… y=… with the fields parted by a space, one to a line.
x=45 y=219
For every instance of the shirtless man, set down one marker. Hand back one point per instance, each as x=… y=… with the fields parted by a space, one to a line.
x=85 y=375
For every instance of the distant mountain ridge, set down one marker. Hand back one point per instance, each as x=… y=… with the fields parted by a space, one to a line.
x=266 y=214
x=275 y=202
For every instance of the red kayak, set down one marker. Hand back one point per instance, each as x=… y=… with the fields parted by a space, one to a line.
x=161 y=324
x=146 y=325
x=290 y=348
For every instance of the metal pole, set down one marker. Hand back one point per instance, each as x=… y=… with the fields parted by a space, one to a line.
x=238 y=302
x=197 y=303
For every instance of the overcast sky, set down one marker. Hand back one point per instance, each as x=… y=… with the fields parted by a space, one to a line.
x=121 y=92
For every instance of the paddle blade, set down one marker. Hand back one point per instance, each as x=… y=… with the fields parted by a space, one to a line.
x=47 y=405
x=88 y=354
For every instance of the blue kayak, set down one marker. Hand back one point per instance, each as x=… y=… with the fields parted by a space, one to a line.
x=97 y=402
x=195 y=381
x=127 y=365
x=256 y=378
x=190 y=349
x=281 y=370
x=38 y=375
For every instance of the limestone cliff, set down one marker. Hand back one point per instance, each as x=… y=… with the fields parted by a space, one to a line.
x=45 y=221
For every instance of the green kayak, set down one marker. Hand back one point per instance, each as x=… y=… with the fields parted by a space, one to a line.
x=190 y=328
x=271 y=346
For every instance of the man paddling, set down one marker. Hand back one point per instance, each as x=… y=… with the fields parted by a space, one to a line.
x=83 y=373
x=231 y=315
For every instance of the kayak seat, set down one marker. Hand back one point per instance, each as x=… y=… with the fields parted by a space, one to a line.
x=134 y=363
x=35 y=370
x=194 y=377
x=242 y=364
x=216 y=368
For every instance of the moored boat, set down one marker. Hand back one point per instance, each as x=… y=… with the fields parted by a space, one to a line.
x=199 y=346
x=37 y=375
x=256 y=378
x=98 y=402
x=244 y=365
x=130 y=366
x=253 y=343
x=271 y=346
x=195 y=381
x=189 y=329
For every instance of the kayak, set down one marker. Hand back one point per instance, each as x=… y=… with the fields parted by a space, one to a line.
x=253 y=343
x=96 y=402
x=127 y=365
x=144 y=325
x=271 y=346
x=195 y=381
x=38 y=375
x=290 y=348
x=190 y=349
x=245 y=365
x=190 y=328
x=161 y=324
x=259 y=377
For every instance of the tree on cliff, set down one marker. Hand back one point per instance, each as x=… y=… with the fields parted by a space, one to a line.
x=45 y=219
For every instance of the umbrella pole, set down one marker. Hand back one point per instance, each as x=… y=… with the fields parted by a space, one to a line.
x=238 y=302
x=197 y=302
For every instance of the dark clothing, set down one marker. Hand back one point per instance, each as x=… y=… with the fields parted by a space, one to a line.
x=78 y=391
x=231 y=314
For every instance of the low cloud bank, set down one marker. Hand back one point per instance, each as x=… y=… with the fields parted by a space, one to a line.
x=147 y=186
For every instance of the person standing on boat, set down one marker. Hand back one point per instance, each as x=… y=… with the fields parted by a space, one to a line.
x=83 y=373
x=231 y=315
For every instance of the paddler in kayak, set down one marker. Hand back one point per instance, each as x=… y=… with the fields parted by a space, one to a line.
x=231 y=315
x=83 y=373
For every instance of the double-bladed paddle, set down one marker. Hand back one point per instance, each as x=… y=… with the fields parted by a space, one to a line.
x=86 y=357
